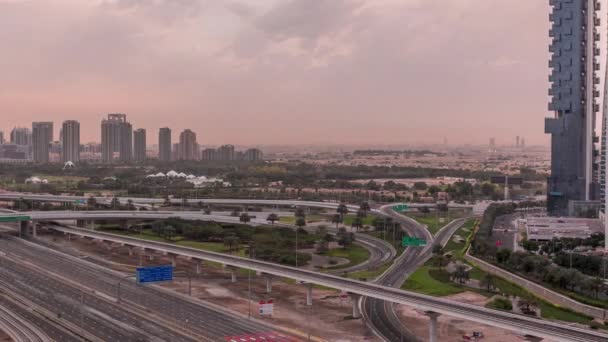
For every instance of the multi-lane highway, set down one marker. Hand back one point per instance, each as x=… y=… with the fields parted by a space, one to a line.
x=510 y=321
x=85 y=295
x=381 y=315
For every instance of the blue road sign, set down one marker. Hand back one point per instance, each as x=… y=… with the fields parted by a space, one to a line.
x=154 y=274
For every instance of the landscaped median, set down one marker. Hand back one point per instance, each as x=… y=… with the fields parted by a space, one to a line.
x=435 y=280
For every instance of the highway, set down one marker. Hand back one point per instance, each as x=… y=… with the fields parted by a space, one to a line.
x=380 y=314
x=62 y=283
x=12 y=196
x=519 y=323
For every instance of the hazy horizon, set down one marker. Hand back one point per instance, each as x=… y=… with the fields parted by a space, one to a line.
x=273 y=72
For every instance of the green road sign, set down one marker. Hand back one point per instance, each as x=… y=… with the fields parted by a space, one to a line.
x=15 y=218
x=79 y=201
x=400 y=207
x=413 y=241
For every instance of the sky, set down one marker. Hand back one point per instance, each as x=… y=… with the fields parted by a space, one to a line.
x=259 y=72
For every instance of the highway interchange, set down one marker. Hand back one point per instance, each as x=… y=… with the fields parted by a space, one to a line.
x=403 y=265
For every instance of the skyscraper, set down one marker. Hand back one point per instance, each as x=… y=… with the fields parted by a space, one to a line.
x=139 y=145
x=116 y=136
x=164 y=144
x=1 y=137
x=21 y=136
x=226 y=153
x=42 y=135
x=188 y=147
x=70 y=141
x=573 y=91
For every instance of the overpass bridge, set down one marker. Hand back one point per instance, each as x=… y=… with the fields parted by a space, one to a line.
x=514 y=322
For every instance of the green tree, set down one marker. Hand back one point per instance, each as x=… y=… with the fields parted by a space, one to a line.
x=342 y=210
x=232 y=242
x=244 y=218
x=488 y=282
x=357 y=223
x=337 y=219
x=300 y=222
x=364 y=207
x=92 y=202
x=461 y=274
x=272 y=218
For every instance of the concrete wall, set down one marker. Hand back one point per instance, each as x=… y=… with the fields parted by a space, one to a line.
x=538 y=290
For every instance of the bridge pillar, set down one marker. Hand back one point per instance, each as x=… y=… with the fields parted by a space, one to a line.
x=232 y=270
x=131 y=250
x=268 y=282
x=197 y=265
x=434 y=326
x=24 y=228
x=354 y=298
x=308 y=294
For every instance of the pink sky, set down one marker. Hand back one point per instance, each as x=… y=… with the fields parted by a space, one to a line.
x=281 y=71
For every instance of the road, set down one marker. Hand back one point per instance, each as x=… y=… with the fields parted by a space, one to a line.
x=520 y=323
x=381 y=315
x=61 y=283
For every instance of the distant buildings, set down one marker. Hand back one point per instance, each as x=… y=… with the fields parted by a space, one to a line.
x=188 y=147
x=42 y=136
x=70 y=141
x=573 y=92
x=21 y=136
x=139 y=145
x=116 y=137
x=164 y=144
x=1 y=137
x=227 y=153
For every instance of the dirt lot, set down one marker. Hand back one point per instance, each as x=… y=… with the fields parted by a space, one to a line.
x=452 y=329
x=329 y=318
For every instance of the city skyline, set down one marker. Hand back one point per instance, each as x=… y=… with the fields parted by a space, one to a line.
x=263 y=68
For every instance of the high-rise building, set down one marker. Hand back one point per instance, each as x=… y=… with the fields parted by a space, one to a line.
x=517 y=141
x=573 y=91
x=70 y=141
x=492 y=144
x=139 y=145
x=164 y=144
x=209 y=154
x=253 y=154
x=21 y=136
x=226 y=153
x=1 y=137
x=188 y=147
x=116 y=137
x=42 y=135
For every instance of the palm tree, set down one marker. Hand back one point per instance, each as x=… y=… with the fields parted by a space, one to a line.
x=272 y=218
x=488 y=281
x=364 y=206
x=115 y=203
x=357 y=223
x=244 y=218
x=232 y=242
x=337 y=219
x=300 y=213
x=130 y=204
x=461 y=275
x=342 y=210
x=91 y=202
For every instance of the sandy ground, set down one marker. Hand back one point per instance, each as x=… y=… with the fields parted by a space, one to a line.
x=452 y=329
x=329 y=318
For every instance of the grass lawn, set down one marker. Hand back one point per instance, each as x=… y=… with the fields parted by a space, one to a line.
x=349 y=218
x=355 y=253
x=218 y=247
x=421 y=281
x=389 y=239
x=309 y=219
x=431 y=221
x=369 y=275
x=457 y=248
